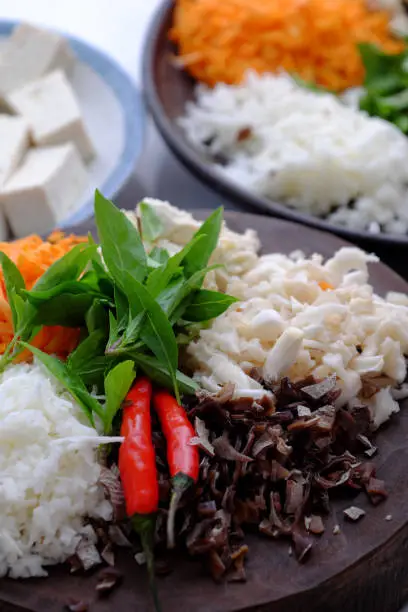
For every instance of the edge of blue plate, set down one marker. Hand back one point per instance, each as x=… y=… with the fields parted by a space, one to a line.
x=132 y=103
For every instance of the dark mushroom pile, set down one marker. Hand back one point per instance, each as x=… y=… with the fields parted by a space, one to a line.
x=271 y=463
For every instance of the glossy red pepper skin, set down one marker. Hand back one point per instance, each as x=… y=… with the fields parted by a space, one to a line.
x=137 y=460
x=137 y=466
x=183 y=458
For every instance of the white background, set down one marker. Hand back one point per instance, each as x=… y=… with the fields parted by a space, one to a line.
x=119 y=28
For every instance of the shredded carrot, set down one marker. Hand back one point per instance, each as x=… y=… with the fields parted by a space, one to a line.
x=325 y=286
x=219 y=40
x=33 y=256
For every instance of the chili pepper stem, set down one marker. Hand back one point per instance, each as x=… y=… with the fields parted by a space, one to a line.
x=145 y=527
x=181 y=482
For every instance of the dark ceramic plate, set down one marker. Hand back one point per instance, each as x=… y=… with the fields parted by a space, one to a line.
x=363 y=569
x=167 y=89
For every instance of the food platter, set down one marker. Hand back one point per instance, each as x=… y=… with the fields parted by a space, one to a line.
x=168 y=88
x=363 y=567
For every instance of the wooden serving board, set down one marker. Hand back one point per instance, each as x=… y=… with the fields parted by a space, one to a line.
x=364 y=568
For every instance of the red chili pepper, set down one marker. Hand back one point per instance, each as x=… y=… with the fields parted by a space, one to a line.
x=183 y=459
x=137 y=465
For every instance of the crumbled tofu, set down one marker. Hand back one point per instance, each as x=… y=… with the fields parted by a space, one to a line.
x=14 y=142
x=50 y=107
x=48 y=186
x=30 y=53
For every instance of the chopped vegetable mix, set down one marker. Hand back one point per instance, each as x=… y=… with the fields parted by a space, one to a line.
x=126 y=304
x=32 y=256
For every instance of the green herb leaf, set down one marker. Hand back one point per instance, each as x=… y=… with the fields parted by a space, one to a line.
x=133 y=329
x=105 y=281
x=19 y=308
x=96 y=317
x=157 y=372
x=398 y=101
x=36 y=298
x=122 y=308
x=159 y=279
x=93 y=373
x=207 y=305
x=159 y=255
x=122 y=247
x=117 y=384
x=402 y=123
x=113 y=330
x=152 y=225
x=173 y=294
x=72 y=383
x=175 y=302
x=90 y=348
x=199 y=255
x=386 y=84
x=118 y=324
x=157 y=332
x=377 y=63
x=67 y=309
x=14 y=286
x=67 y=268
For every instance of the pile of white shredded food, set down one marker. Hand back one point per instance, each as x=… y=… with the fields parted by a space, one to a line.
x=305 y=149
x=296 y=316
x=48 y=473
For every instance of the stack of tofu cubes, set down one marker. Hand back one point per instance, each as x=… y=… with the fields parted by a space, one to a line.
x=44 y=145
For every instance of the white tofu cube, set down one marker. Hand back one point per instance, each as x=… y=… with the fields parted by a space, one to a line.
x=14 y=140
x=52 y=112
x=49 y=185
x=30 y=53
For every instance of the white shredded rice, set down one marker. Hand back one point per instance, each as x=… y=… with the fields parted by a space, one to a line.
x=48 y=473
x=308 y=150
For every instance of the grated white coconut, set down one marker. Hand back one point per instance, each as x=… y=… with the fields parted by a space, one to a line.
x=306 y=149
x=48 y=473
x=288 y=325
x=348 y=331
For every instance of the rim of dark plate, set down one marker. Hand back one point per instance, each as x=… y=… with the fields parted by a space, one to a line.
x=192 y=159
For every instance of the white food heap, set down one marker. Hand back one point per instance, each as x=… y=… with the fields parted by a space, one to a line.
x=296 y=316
x=48 y=473
x=306 y=149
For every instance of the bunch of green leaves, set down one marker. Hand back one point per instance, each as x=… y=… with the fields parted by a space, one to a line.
x=153 y=291
x=131 y=301
x=385 y=85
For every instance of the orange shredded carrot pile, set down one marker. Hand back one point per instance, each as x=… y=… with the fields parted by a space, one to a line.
x=33 y=256
x=219 y=40
x=325 y=286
